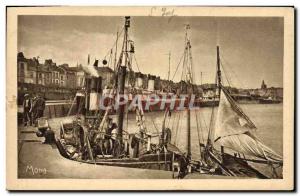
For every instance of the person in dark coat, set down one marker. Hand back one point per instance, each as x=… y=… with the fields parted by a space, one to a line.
x=183 y=165
x=26 y=110
x=33 y=110
x=40 y=107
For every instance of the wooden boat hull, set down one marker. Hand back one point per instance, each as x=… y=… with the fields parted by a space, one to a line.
x=241 y=168
x=162 y=161
x=232 y=166
x=269 y=101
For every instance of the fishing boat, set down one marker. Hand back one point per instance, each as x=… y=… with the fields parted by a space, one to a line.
x=230 y=148
x=269 y=100
x=92 y=137
x=233 y=145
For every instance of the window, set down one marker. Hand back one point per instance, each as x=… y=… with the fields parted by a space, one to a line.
x=21 y=70
x=61 y=77
x=31 y=74
x=21 y=66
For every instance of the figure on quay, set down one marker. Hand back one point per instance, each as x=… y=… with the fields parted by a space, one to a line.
x=27 y=103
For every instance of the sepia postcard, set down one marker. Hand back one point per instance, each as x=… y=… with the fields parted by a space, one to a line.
x=150 y=98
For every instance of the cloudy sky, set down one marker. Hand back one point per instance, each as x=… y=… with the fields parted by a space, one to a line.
x=251 y=48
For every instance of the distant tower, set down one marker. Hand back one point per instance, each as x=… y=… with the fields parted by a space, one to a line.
x=263 y=85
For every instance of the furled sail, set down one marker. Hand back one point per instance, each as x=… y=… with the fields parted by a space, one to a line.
x=234 y=130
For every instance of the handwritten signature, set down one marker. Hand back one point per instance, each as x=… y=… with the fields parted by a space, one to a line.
x=155 y=11
x=35 y=170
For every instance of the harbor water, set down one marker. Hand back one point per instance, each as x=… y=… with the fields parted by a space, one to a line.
x=268 y=119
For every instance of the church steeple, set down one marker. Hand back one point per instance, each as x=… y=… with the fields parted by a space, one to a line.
x=263 y=85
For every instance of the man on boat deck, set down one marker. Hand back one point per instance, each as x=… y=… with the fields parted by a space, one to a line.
x=109 y=139
x=80 y=133
x=114 y=135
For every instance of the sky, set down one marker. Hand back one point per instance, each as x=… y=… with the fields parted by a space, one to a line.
x=251 y=48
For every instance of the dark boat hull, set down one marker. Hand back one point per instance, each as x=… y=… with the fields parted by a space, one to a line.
x=208 y=103
x=241 y=168
x=232 y=166
x=269 y=101
x=162 y=161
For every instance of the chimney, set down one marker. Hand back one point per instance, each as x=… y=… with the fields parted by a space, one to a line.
x=94 y=89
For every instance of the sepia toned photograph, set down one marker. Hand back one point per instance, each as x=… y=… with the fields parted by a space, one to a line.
x=150 y=98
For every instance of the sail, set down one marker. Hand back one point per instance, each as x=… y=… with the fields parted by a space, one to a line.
x=234 y=130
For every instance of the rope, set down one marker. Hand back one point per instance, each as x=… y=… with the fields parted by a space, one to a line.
x=198 y=133
x=176 y=133
x=137 y=65
x=210 y=124
x=173 y=122
x=116 y=42
x=177 y=67
x=157 y=130
x=70 y=110
x=179 y=128
x=232 y=71
x=227 y=79
x=201 y=129
x=183 y=72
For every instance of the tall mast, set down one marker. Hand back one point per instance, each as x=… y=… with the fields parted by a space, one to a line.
x=127 y=25
x=116 y=50
x=121 y=79
x=218 y=71
x=169 y=65
x=189 y=82
x=218 y=83
x=189 y=153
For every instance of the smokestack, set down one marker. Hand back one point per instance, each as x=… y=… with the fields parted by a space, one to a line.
x=95 y=92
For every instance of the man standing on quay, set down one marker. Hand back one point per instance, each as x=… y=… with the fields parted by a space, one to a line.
x=38 y=108
x=26 y=110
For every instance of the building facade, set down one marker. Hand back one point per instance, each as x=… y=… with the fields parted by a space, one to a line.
x=26 y=69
